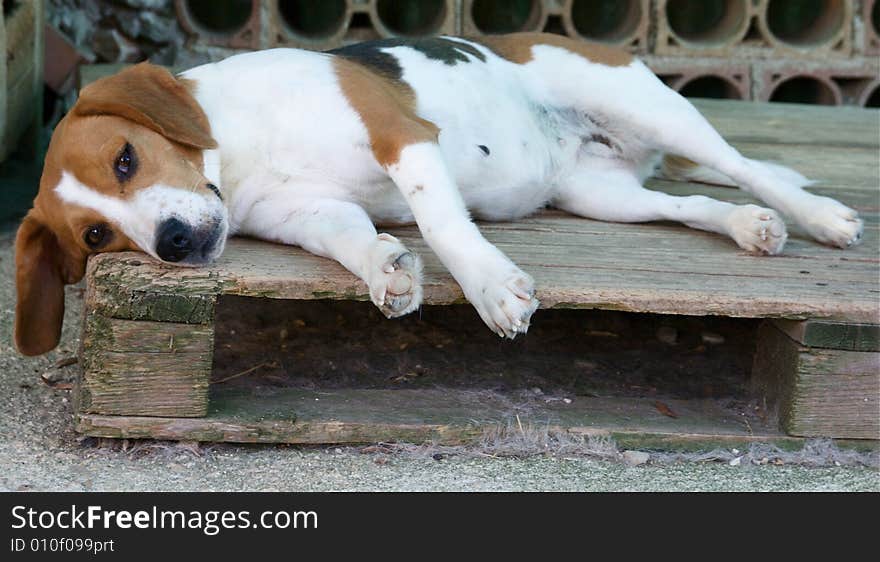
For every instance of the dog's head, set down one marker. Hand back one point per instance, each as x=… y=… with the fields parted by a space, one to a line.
x=124 y=171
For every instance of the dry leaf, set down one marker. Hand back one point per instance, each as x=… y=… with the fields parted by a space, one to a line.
x=55 y=384
x=664 y=409
x=66 y=362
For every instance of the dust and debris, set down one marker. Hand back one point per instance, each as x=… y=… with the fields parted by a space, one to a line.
x=635 y=458
x=667 y=335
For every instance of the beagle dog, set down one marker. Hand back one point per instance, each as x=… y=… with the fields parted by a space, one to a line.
x=314 y=149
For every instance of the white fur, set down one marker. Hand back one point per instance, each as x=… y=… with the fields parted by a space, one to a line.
x=295 y=163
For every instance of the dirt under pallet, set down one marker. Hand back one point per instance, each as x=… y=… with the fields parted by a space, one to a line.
x=344 y=344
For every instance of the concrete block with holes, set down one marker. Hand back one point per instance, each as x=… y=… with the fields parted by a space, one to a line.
x=763 y=28
x=704 y=78
x=624 y=23
x=852 y=82
x=870 y=27
x=235 y=24
x=487 y=17
x=341 y=22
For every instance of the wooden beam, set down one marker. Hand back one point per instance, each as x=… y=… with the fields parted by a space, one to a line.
x=443 y=417
x=818 y=392
x=144 y=368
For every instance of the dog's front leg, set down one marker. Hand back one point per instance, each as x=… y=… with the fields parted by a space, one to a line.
x=502 y=293
x=342 y=231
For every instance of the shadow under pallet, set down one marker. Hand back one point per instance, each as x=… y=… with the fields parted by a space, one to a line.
x=271 y=344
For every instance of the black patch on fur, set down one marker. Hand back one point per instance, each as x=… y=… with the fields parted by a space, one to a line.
x=602 y=139
x=484 y=148
x=370 y=54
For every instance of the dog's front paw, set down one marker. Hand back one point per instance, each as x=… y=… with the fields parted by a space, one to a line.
x=505 y=300
x=831 y=222
x=757 y=230
x=394 y=277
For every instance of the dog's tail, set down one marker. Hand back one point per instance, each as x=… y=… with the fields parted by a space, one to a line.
x=681 y=169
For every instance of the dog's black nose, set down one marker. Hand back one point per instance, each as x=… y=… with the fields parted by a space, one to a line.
x=174 y=240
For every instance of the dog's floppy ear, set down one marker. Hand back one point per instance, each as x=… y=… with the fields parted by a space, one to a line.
x=149 y=95
x=42 y=270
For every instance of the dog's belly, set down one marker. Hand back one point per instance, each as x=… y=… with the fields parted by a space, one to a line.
x=506 y=168
x=505 y=143
x=499 y=178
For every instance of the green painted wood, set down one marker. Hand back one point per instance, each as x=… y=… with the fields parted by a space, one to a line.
x=832 y=335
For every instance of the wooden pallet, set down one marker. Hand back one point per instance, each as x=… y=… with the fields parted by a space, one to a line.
x=149 y=328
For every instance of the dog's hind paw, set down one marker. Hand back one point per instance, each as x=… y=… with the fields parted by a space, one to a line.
x=757 y=229
x=395 y=277
x=831 y=222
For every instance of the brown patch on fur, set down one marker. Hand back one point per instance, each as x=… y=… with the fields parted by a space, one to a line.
x=387 y=109
x=676 y=166
x=150 y=96
x=145 y=107
x=517 y=47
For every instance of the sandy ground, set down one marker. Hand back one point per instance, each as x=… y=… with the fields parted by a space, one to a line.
x=40 y=451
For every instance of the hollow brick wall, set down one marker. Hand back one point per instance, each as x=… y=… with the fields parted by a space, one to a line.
x=811 y=51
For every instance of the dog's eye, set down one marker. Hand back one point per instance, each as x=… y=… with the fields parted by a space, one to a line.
x=125 y=164
x=97 y=236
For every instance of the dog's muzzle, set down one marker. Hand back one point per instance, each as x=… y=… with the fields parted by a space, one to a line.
x=178 y=242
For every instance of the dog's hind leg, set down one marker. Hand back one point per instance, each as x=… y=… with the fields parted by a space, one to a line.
x=342 y=231
x=638 y=107
x=605 y=192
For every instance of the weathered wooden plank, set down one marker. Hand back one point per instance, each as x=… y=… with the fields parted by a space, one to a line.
x=866 y=201
x=576 y=262
x=21 y=73
x=832 y=335
x=835 y=406
x=113 y=292
x=144 y=368
x=447 y=416
x=818 y=392
x=836 y=362
x=782 y=123
x=838 y=166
